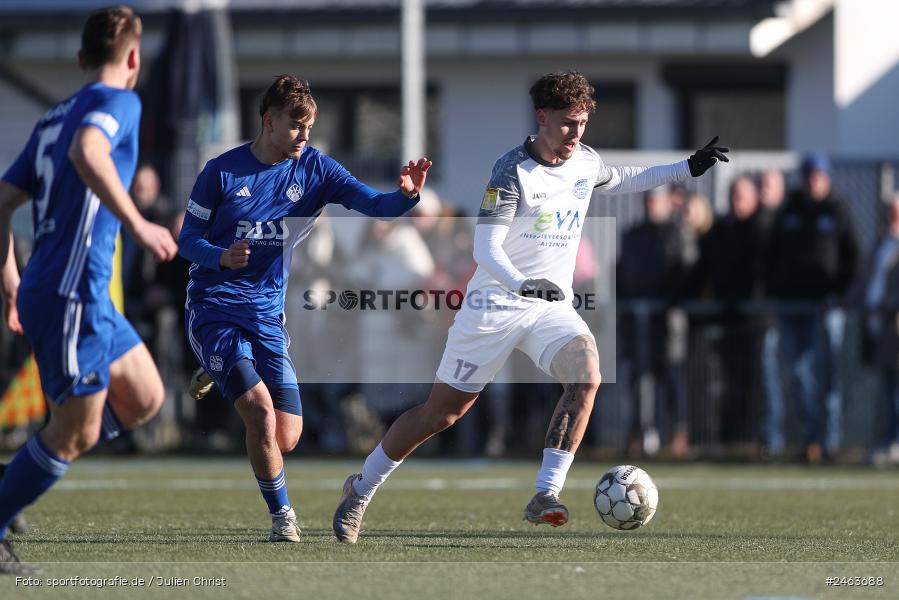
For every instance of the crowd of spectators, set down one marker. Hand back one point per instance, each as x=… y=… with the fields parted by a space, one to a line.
x=765 y=300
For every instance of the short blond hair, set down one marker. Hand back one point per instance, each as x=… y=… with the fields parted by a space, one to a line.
x=107 y=34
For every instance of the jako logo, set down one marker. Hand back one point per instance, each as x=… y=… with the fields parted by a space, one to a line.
x=563 y=222
x=270 y=230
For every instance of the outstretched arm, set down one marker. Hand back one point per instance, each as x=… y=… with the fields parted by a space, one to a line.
x=625 y=180
x=355 y=195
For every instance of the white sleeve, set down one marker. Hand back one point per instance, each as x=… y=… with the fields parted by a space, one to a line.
x=625 y=180
x=489 y=254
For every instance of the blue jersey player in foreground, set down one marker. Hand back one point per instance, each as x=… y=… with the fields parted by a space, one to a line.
x=77 y=166
x=249 y=208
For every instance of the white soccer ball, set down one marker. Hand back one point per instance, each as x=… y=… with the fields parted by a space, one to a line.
x=626 y=497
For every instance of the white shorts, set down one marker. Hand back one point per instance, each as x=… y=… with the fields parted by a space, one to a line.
x=480 y=340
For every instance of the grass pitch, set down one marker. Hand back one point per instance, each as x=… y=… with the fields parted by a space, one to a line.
x=452 y=529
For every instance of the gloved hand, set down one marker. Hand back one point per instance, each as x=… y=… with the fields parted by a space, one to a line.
x=541 y=288
x=705 y=158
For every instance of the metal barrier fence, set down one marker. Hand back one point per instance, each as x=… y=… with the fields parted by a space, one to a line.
x=704 y=365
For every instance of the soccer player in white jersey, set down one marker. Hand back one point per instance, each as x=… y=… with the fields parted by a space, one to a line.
x=523 y=290
x=77 y=166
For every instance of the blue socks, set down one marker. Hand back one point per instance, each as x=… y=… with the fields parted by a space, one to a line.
x=32 y=472
x=112 y=427
x=275 y=493
x=35 y=469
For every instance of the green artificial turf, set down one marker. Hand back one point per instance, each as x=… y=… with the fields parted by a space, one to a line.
x=444 y=529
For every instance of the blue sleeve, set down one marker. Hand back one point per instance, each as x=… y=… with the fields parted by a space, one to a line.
x=21 y=172
x=350 y=192
x=117 y=115
x=205 y=197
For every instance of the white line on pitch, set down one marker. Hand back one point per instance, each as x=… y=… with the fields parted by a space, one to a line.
x=484 y=484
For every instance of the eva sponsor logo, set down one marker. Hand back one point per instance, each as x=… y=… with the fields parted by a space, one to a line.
x=567 y=222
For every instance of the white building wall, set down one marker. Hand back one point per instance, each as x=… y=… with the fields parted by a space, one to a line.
x=811 y=114
x=867 y=77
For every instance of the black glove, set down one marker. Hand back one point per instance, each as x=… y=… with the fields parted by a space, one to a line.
x=706 y=157
x=541 y=288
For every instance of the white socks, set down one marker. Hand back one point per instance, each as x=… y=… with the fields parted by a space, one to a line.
x=552 y=473
x=378 y=466
x=375 y=471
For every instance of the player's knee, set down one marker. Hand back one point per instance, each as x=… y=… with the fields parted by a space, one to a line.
x=287 y=441
x=591 y=382
x=153 y=399
x=288 y=434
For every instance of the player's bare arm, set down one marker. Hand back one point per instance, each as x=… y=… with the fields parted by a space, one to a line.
x=90 y=153
x=11 y=198
x=413 y=177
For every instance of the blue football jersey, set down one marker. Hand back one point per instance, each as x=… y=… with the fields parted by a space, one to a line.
x=74 y=234
x=273 y=207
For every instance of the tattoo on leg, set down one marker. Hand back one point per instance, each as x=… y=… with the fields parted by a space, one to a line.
x=560 y=431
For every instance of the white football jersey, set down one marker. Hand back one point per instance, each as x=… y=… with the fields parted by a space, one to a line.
x=545 y=206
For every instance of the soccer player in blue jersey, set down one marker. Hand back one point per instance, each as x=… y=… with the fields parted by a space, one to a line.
x=76 y=167
x=249 y=208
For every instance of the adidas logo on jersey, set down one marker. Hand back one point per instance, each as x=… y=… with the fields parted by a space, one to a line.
x=244 y=192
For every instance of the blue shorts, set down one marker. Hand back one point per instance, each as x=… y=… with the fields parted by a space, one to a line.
x=74 y=342
x=220 y=341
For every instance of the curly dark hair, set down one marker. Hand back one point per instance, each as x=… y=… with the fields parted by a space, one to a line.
x=291 y=93
x=563 y=90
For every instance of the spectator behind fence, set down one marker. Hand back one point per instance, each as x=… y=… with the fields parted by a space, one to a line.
x=651 y=268
x=771 y=196
x=730 y=259
x=729 y=271
x=138 y=265
x=771 y=199
x=392 y=256
x=881 y=298
x=812 y=258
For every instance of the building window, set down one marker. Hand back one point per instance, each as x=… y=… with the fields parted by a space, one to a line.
x=612 y=125
x=743 y=103
x=747 y=120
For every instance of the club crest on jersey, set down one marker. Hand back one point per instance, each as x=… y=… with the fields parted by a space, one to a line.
x=215 y=363
x=580 y=189
x=270 y=230
x=490 y=197
x=294 y=193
